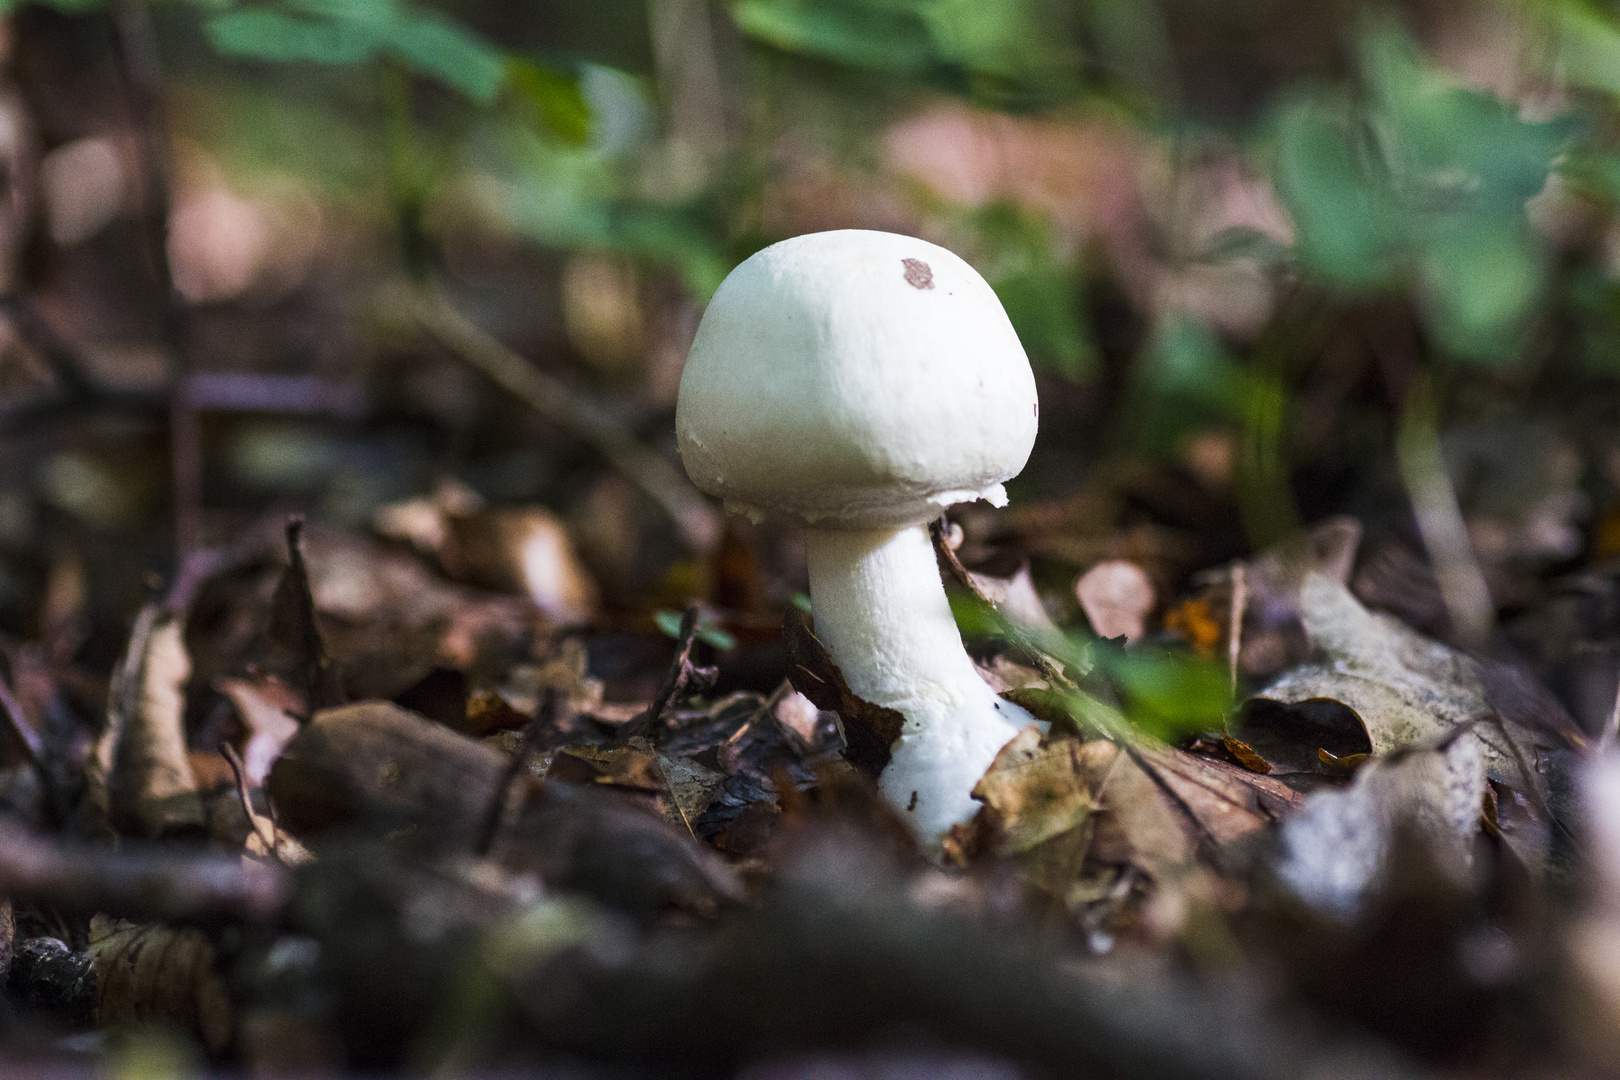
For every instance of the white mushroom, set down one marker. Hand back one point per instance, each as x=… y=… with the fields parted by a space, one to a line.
x=859 y=382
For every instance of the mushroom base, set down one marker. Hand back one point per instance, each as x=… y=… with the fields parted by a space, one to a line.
x=881 y=610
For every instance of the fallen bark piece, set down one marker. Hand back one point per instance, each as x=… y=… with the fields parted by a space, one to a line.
x=377 y=764
x=46 y=974
x=375 y=767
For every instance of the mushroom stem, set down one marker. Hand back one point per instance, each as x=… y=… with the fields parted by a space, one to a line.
x=880 y=608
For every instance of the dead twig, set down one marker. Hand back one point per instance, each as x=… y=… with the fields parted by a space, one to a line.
x=1611 y=726
x=681 y=674
x=64 y=361
x=1234 y=627
x=665 y=484
x=545 y=715
x=136 y=48
x=262 y=826
x=138 y=882
x=18 y=722
x=1440 y=519
x=1051 y=668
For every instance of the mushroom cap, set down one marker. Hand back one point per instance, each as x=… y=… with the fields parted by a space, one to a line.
x=855 y=379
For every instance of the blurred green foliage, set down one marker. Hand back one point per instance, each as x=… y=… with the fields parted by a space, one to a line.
x=353 y=31
x=1168 y=196
x=1470 y=193
x=1418 y=180
x=1014 y=53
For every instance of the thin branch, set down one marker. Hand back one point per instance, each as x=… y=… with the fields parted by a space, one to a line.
x=676 y=678
x=1440 y=520
x=306 y=395
x=59 y=356
x=1234 y=628
x=143 y=83
x=1611 y=727
x=666 y=485
x=1051 y=668
x=545 y=715
x=261 y=825
x=138 y=882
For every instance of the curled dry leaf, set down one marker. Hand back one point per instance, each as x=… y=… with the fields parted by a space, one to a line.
x=297 y=650
x=387 y=621
x=1408 y=690
x=153 y=974
x=139 y=779
x=1116 y=596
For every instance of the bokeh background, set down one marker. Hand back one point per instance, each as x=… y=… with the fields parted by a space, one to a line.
x=1272 y=261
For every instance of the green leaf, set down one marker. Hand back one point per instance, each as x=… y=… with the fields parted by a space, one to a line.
x=885 y=35
x=71 y=7
x=1483 y=284
x=555 y=99
x=430 y=44
x=1589 y=53
x=1343 y=217
x=352 y=31
x=669 y=622
x=269 y=35
x=1169 y=695
x=1042 y=302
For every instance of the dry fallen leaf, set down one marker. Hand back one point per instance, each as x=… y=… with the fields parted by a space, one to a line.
x=159 y=975
x=1037 y=788
x=523 y=550
x=268 y=709
x=1336 y=847
x=1116 y=596
x=1407 y=690
x=297 y=651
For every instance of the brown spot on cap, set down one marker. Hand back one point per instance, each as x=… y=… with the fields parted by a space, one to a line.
x=919 y=275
